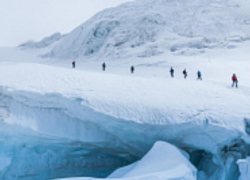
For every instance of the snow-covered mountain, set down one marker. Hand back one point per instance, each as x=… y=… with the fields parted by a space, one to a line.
x=150 y=27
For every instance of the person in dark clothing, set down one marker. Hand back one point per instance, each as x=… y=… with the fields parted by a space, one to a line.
x=132 y=69
x=199 y=76
x=235 y=80
x=104 y=66
x=185 y=73
x=73 y=64
x=172 y=72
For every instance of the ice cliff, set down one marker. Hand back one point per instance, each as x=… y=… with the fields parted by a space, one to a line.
x=65 y=123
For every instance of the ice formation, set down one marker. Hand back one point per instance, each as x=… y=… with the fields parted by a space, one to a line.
x=162 y=162
x=244 y=168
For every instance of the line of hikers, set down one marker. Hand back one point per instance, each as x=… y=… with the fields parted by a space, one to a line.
x=184 y=72
x=132 y=68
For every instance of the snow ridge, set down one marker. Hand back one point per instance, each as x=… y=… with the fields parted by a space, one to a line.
x=47 y=41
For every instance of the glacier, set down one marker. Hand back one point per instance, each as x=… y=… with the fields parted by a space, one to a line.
x=78 y=123
x=58 y=122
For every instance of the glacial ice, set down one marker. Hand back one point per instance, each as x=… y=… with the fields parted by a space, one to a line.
x=163 y=162
x=244 y=168
x=61 y=123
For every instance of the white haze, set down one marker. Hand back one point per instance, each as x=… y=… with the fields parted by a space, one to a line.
x=23 y=20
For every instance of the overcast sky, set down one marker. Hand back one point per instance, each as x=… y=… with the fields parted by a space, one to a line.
x=23 y=20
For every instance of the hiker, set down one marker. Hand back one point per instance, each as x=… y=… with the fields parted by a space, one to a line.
x=199 y=76
x=172 y=72
x=104 y=66
x=235 y=80
x=132 y=69
x=185 y=73
x=73 y=64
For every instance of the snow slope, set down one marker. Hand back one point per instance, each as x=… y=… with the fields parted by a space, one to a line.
x=145 y=28
x=163 y=161
x=162 y=158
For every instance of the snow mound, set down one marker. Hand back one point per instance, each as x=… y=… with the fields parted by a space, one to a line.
x=116 y=32
x=47 y=41
x=163 y=162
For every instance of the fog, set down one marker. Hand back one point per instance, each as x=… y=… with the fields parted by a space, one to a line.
x=23 y=20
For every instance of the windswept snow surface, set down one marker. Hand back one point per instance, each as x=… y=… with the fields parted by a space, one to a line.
x=162 y=162
x=145 y=28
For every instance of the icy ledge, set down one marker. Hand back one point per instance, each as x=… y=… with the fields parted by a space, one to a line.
x=69 y=139
x=163 y=162
x=58 y=123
